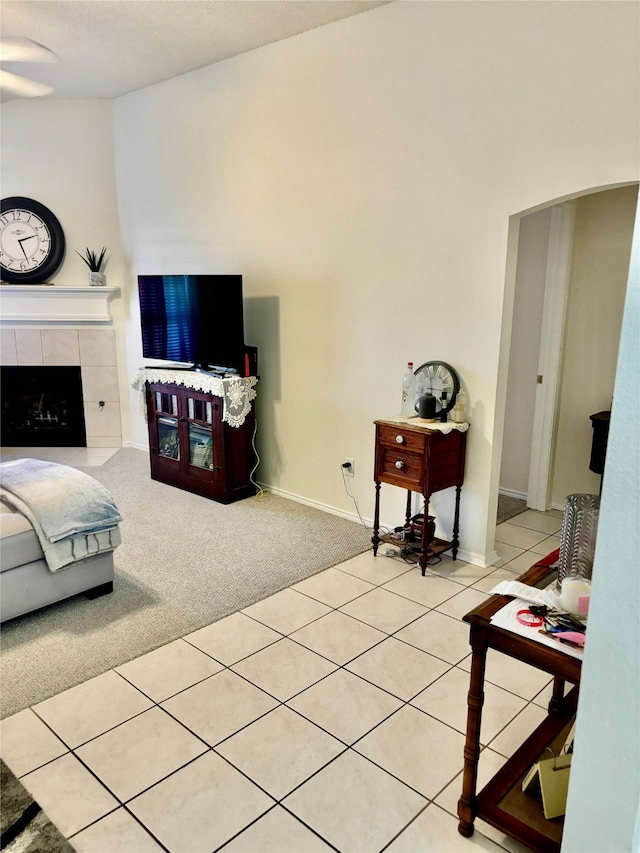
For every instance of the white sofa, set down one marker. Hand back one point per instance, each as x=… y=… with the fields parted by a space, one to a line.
x=26 y=582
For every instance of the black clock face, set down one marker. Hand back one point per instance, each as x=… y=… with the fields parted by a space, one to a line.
x=440 y=380
x=31 y=241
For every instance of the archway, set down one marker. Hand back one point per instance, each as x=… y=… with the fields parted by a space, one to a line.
x=564 y=296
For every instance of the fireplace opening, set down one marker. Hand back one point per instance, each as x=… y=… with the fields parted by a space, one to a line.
x=42 y=407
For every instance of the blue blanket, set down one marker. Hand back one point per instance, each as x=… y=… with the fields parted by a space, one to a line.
x=73 y=515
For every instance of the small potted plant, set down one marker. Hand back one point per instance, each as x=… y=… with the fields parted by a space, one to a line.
x=95 y=262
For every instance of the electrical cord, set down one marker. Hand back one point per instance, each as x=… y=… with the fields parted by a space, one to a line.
x=343 y=468
x=405 y=553
x=260 y=492
x=409 y=550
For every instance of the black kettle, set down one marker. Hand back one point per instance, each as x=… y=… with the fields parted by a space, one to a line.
x=426 y=407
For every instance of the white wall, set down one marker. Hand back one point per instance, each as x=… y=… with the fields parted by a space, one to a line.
x=604 y=790
x=533 y=246
x=361 y=177
x=61 y=154
x=598 y=281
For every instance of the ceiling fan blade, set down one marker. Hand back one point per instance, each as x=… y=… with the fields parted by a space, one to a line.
x=17 y=85
x=25 y=50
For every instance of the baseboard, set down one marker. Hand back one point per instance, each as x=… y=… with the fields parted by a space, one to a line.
x=332 y=510
x=484 y=561
x=466 y=556
x=136 y=446
x=510 y=493
x=490 y=560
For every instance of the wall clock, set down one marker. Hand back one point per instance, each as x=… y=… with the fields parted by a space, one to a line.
x=31 y=241
x=438 y=378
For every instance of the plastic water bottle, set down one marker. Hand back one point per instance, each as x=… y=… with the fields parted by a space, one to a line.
x=408 y=391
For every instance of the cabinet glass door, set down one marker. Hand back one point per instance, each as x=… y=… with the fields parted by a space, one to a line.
x=199 y=431
x=168 y=444
x=200 y=447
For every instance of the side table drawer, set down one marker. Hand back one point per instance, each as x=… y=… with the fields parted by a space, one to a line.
x=401 y=468
x=399 y=438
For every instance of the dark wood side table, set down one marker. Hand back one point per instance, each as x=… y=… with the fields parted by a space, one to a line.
x=501 y=802
x=420 y=460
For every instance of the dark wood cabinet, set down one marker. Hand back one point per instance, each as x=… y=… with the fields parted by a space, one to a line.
x=191 y=447
x=420 y=460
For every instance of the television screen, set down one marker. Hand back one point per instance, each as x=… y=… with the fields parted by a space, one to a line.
x=193 y=319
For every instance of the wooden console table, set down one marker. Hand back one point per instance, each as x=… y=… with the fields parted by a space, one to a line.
x=421 y=460
x=501 y=802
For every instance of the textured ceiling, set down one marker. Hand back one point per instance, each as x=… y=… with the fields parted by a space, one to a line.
x=107 y=48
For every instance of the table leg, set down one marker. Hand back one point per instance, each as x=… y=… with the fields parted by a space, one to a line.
x=375 y=539
x=475 y=700
x=424 y=542
x=407 y=514
x=556 y=703
x=456 y=526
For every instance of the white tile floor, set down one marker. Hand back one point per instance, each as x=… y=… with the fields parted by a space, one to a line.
x=329 y=716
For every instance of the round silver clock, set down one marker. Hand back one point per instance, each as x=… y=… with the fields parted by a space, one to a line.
x=440 y=380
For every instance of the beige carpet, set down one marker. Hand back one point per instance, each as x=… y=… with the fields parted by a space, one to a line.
x=509 y=507
x=184 y=562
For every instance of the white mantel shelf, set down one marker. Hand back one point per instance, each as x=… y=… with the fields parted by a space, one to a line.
x=55 y=304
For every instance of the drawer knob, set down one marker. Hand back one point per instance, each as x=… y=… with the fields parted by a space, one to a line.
x=400 y=439
x=399 y=464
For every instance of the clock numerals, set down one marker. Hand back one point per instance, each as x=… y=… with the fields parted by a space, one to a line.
x=31 y=241
x=436 y=378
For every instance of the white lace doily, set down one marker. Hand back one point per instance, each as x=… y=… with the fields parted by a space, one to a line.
x=237 y=392
x=446 y=428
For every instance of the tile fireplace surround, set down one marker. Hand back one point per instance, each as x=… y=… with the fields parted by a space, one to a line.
x=65 y=326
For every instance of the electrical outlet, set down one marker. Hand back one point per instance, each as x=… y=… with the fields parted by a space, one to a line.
x=348 y=466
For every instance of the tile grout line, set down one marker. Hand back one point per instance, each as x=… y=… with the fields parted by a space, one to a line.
x=283 y=703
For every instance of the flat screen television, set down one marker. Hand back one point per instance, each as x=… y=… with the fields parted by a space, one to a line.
x=195 y=320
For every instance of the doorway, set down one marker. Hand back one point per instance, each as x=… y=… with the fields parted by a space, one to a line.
x=558 y=378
